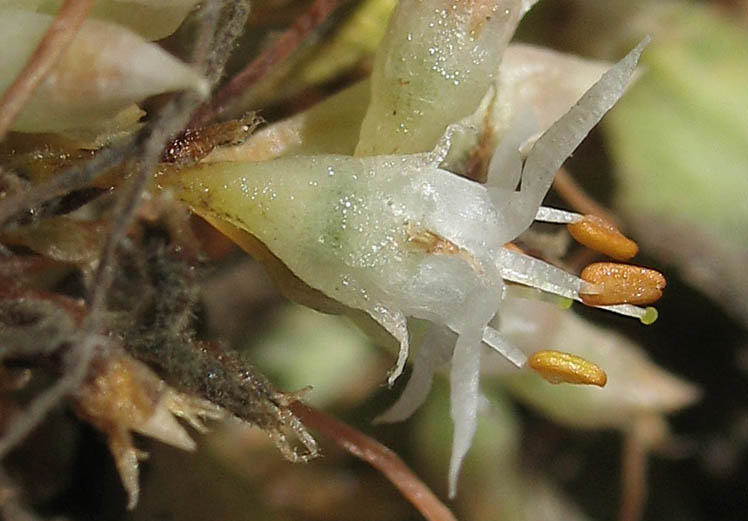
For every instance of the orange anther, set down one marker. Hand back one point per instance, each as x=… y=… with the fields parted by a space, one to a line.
x=622 y=284
x=601 y=235
x=557 y=367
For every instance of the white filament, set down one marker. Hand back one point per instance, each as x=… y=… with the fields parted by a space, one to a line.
x=523 y=269
x=501 y=345
x=464 y=378
x=556 y=216
x=563 y=137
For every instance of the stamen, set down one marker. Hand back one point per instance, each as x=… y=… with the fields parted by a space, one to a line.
x=557 y=216
x=498 y=343
x=528 y=271
x=601 y=235
x=516 y=267
x=528 y=293
x=621 y=284
x=557 y=367
x=646 y=316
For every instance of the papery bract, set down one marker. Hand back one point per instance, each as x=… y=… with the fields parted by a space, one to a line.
x=106 y=69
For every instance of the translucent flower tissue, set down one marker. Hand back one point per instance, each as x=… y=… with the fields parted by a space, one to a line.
x=398 y=237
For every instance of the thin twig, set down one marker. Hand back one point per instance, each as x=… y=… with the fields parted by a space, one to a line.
x=579 y=200
x=278 y=51
x=231 y=28
x=172 y=120
x=379 y=457
x=55 y=42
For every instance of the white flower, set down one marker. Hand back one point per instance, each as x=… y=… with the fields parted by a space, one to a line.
x=396 y=237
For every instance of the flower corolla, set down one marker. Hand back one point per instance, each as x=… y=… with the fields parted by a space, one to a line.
x=385 y=232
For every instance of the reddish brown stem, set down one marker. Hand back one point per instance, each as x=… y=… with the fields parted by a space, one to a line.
x=278 y=51
x=634 y=479
x=56 y=40
x=580 y=201
x=379 y=457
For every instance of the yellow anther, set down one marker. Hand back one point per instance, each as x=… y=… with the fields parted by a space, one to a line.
x=558 y=367
x=601 y=235
x=622 y=284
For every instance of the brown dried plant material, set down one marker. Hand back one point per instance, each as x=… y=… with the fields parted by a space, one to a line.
x=34 y=323
x=192 y=145
x=11 y=288
x=123 y=395
x=622 y=284
x=434 y=244
x=60 y=238
x=602 y=235
x=39 y=157
x=557 y=367
x=118 y=394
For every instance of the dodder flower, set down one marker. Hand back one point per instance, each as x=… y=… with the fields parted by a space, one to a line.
x=393 y=238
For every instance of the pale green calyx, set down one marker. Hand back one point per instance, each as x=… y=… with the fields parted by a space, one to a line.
x=434 y=67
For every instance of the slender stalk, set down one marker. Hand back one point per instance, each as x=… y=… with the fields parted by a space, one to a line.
x=565 y=185
x=379 y=457
x=55 y=42
x=634 y=478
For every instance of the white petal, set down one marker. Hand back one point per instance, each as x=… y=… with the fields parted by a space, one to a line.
x=435 y=351
x=564 y=136
x=464 y=378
